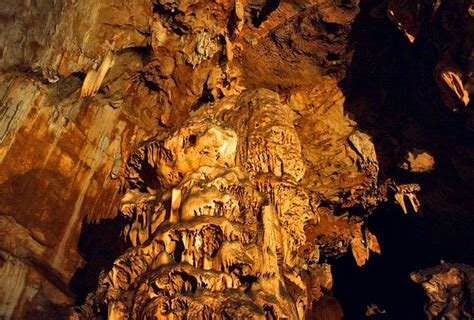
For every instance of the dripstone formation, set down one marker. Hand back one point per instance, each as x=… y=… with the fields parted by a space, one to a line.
x=217 y=220
x=236 y=159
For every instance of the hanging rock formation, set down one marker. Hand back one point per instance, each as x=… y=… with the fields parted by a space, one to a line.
x=228 y=158
x=217 y=217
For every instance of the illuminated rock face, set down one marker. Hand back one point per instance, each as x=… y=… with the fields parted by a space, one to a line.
x=84 y=82
x=217 y=234
x=449 y=289
x=247 y=145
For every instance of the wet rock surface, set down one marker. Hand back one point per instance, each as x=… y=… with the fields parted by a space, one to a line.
x=236 y=159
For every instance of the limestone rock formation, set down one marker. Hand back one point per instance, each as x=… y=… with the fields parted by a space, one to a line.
x=449 y=290
x=235 y=158
x=220 y=216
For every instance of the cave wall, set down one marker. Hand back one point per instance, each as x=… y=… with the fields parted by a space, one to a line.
x=61 y=154
x=84 y=84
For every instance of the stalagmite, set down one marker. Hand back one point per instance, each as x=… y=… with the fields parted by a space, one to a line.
x=213 y=222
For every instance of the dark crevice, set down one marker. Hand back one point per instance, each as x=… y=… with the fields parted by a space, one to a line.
x=260 y=17
x=332 y=57
x=168 y=17
x=232 y=24
x=79 y=75
x=99 y=246
x=145 y=53
x=178 y=251
x=206 y=97
x=160 y=9
x=248 y=279
x=151 y=85
x=331 y=27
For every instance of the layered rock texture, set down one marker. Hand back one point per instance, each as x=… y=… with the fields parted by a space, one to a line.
x=236 y=159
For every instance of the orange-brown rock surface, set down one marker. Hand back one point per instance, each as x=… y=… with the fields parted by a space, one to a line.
x=449 y=289
x=219 y=159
